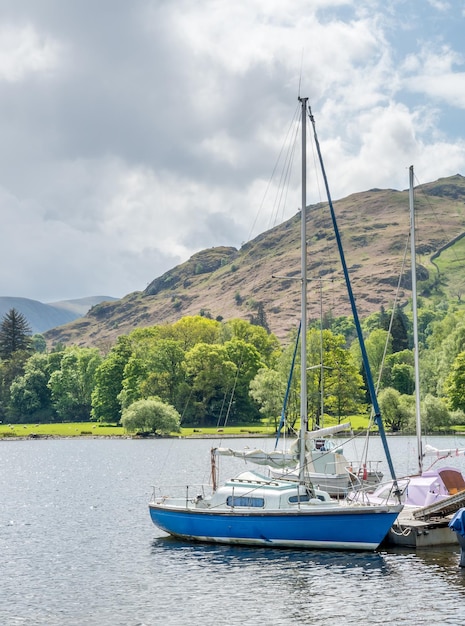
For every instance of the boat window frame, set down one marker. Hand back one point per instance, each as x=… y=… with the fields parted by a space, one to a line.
x=304 y=498
x=251 y=502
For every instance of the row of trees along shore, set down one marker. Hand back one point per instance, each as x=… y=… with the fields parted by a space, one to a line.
x=200 y=372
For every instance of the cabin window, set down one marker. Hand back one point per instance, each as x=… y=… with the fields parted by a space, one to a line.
x=304 y=498
x=245 y=501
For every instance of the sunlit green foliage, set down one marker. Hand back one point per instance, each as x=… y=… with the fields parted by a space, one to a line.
x=378 y=345
x=151 y=416
x=108 y=383
x=455 y=383
x=435 y=414
x=343 y=384
x=154 y=369
x=31 y=398
x=190 y=331
x=398 y=372
x=218 y=374
x=265 y=343
x=394 y=412
x=71 y=385
x=267 y=389
x=211 y=375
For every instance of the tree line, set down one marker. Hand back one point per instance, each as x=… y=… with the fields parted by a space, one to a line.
x=201 y=372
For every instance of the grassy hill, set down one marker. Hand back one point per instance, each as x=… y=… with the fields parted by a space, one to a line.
x=262 y=278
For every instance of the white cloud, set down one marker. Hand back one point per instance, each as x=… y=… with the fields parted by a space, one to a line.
x=158 y=133
x=440 y=5
x=433 y=73
x=24 y=51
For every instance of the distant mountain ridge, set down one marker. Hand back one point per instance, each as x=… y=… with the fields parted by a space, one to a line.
x=42 y=317
x=260 y=281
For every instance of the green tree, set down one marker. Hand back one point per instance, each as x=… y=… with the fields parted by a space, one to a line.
x=108 y=383
x=267 y=389
x=395 y=322
x=443 y=327
x=445 y=343
x=450 y=348
x=38 y=343
x=211 y=377
x=15 y=349
x=72 y=385
x=435 y=414
x=426 y=316
x=455 y=383
x=283 y=367
x=344 y=383
x=164 y=364
x=266 y=343
x=393 y=411
x=341 y=325
x=155 y=368
x=31 y=399
x=374 y=321
x=247 y=360
x=151 y=415
x=15 y=334
x=377 y=344
x=398 y=371
x=260 y=318
x=10 y=369
x=192 y=330
x=403 y=378
x=315 y=358
x=134 y=375
x=399 y=327
x=429 y=368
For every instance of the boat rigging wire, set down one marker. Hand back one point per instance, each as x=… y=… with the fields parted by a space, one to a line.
x=369 y=379
x=286 y=154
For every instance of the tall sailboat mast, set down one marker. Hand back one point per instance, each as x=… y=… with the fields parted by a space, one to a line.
x=415 y=322
x=303 y=303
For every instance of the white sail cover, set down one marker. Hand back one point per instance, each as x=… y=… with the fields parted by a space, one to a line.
x=277 y=458
x=432 y=451
x=329 y=430
x=282 y=458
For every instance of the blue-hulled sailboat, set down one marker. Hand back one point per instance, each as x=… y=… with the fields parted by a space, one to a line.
x=253 y=509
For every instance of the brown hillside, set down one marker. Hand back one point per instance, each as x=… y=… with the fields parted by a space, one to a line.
x=226 y=283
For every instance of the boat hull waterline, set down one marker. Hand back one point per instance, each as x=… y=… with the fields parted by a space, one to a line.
x=355 y=528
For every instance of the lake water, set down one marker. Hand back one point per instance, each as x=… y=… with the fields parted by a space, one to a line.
x=77 y=548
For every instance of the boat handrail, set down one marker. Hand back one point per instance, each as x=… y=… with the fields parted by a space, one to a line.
x=393 y=492
x=184 y=490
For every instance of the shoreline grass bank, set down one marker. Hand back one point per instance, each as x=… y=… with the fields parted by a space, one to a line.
x=89 y=429
x=9 y=432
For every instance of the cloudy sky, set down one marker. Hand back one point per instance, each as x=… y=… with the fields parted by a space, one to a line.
x=135 y=133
